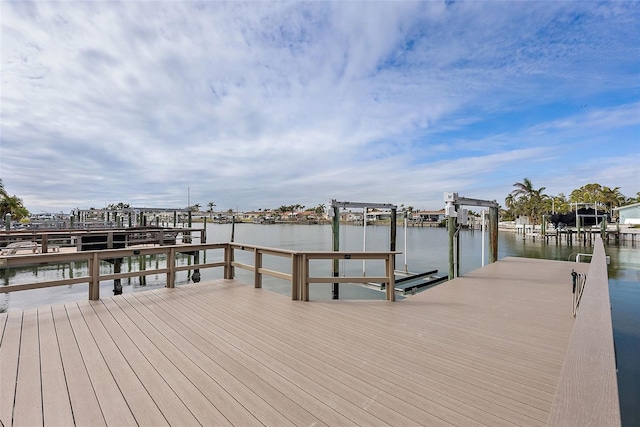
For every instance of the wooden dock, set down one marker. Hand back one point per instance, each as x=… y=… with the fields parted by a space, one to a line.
x=484 y=349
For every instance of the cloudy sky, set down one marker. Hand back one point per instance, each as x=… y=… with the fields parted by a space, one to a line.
x=259 y=104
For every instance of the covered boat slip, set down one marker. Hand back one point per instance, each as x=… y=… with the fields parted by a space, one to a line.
x=487 y=348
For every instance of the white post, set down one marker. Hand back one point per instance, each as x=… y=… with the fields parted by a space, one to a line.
x=484 y=212
x=364 y=240
x=405 y=243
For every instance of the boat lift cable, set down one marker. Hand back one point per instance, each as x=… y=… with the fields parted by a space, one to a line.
x=405 y=243
x=455 y=250
x=343 y=246
x=364 y=240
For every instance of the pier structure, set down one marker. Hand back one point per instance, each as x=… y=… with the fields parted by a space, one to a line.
x=497 y=346
x=572 y=235
x=131 y=216
x=55 y=240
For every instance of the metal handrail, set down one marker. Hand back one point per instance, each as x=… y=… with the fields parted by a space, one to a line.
x=579 y=280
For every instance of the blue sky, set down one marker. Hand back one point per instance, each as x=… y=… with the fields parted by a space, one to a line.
x=255 y=105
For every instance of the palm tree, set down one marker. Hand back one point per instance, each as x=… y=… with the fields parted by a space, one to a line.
x=11 y=205
x=632 y=200
x=612 y=198
x=510 y=204
x=528 y=200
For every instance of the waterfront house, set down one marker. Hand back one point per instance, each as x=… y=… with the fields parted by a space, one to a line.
x=429 y=216
x=630 y=214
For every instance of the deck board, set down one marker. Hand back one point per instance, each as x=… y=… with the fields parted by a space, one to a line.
x=28 y=398
x=9 y=353
x=82 y=396
x=113 y=404
x=55 y=399
x=484 y=349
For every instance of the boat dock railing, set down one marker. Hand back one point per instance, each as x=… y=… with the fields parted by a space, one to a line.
x=96 y=239
x=587 y=392
x=299 y=275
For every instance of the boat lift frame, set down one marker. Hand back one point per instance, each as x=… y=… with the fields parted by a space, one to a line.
x=335 y=226
x=452 y=209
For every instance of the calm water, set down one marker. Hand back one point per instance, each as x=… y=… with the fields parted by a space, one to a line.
x=427 y=249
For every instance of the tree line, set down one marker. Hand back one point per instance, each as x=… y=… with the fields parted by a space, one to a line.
x=527 y=200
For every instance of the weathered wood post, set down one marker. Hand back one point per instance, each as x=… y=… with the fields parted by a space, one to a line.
x=203 y=233
x=295 y=276
x=451 y=226
x=391 y=286
x=94 y=273
x=196 y=272
x=117 y=283
x=257 y=262
x=493 y=234
x=171 y=265
x=394 y=233
x=233 y=227
x=142 y=260
x=335 y=228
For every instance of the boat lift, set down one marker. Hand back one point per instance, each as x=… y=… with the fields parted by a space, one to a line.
x=409 y=283
x=335 y=226
x=453 y=203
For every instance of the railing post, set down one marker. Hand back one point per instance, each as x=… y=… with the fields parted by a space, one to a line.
x=226 y=261
x=171 y=265
x=304 y=274
x=391 y=284
x=94 y=272
x=295 y=277
x=257 y=276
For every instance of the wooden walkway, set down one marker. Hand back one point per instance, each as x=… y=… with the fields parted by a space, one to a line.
x=484 y=349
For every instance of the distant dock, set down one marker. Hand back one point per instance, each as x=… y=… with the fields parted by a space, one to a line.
x=573 y=235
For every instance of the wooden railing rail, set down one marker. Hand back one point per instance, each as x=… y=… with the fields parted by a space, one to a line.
x=587 y=393
x=299 y=277
x=257 y=266
x=306 y=279
x=93 y=258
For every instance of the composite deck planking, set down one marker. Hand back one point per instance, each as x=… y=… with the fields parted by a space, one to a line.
x=483 y=349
